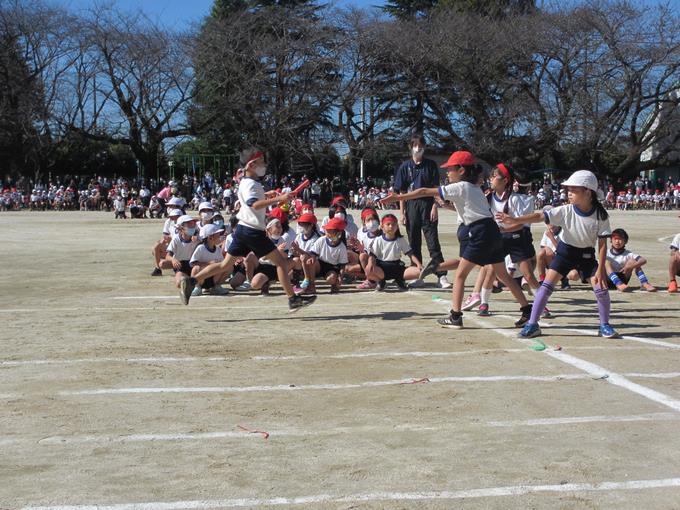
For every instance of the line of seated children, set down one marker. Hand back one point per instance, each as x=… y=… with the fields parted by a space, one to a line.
x=622 y=263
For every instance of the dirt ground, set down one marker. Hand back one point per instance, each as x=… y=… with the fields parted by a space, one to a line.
x=115 y=395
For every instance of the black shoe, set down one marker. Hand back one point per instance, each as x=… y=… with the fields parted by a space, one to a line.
x=380 y=286
x=526 y=315
x=565 y=285
x=453 y=321
x=497 y=288
x=401 y=283
x=430 y=268
x=297 y=301
x=264 y=290
x=186 y=286
x=157 y=272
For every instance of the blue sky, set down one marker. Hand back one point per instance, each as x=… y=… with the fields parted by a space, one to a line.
x=178 y=13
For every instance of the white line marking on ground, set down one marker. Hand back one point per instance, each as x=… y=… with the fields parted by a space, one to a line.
x=382 y=429
x=300 y=357
x=665 y=239
x=303 y=387
x=486 y=492
x=598 y=371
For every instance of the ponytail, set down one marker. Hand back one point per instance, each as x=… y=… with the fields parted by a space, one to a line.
x=602 y=213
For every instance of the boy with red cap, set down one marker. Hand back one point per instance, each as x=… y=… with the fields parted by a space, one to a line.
x=327 y=258
x=250 y=234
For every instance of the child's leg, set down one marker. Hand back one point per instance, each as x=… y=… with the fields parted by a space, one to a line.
x=226 y=266
x=486 y=286
x=604 y=303
x=644 y=282
x=258 y=281
x=250 y=262
x=376 y=275
x=412 y=273
x=333 y=279
x=464 y=268
x=543 y=294
x=510 y=283
x=179 y=276
x=527 y=267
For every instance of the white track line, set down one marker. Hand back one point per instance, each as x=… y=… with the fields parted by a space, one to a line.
x=305 y=387
x=300 y=357
x=486 y=492
x=323 y=432
x=598 y=371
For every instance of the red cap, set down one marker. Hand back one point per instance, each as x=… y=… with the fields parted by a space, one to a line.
x=335 y=224
x=368 y=212
x=338 y=199
x=460 y=158
x=307 y=218
x=279 y=214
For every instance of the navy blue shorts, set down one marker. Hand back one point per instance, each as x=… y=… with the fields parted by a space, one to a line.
x=186 y=268
x=248 y=239
x=569 y=257
x=393 y=269
x=481 y=242
x=268 y=270
x=519 y=245
x=327 y=268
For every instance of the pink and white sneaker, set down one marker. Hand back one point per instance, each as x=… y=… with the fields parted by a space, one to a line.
x=472 y=300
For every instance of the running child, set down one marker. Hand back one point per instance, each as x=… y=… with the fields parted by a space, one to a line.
x=478 y=234
x=584 y=222
x=181 y=248
x=250 y=235
x=622 y=263
x=385 y=252
x=206 y=254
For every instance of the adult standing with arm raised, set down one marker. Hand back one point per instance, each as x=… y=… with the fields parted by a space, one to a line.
x=420 y=216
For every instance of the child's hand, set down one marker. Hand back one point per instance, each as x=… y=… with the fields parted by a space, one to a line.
x=504 y=218
x=176 y=264
x=310 y=261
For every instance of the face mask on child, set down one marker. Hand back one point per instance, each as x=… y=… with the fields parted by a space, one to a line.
x=372 y=226
x=340 y=216
x=219 y=223
x=260 y=171
x=206 y=216
x=418 y=151
x=189 y=231
x=275 y=237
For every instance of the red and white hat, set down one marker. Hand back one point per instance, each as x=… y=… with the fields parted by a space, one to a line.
x=460 y=158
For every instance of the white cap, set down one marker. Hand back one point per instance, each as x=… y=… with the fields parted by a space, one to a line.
x=209 y=229
x=177 y=201
x=583 y=178
x=205 y=205
x=184 y=219
x=175 y=212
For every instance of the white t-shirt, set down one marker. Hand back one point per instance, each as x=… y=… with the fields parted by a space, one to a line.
x=547 y=242
x=389 y=250
x=181 y=249
x=675 y=245
x=498 y=205
x=335 y=255
x=618 y=260
x=169 y=227
x=304 y=243
x=203 y=254
x=579 y=229
x=365 y=237
x=249 y=192
x=520 y=204
x=468 y=199
x=288 y=237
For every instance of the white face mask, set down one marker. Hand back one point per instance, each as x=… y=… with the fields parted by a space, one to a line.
x=275 y=237
x=206 y=215
x=261 y=170
x=340 y=216
x=418 y=151
x=372 y=226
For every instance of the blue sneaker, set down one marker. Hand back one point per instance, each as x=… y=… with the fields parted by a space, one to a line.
x=530 y=331
x=607 y=331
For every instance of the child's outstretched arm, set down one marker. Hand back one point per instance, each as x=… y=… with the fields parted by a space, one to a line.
x=418 y=193
x=536 y=217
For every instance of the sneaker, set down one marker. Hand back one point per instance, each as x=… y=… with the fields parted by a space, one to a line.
x=530 y=331
x=244 y=286
x=672 y=287
x=218 y=290
x=622 y=287
x=380 y=286
x=416 y=284
x=483 y=310
x=297 y=301
x=430 y=268
x=366 y=285
x=607 y=331
x=472 y=300
x=348 y=278
x=305 y=283
x=525 y=285
x=186 y=287
x=648 y=287
x=453 y=321
x=400 y=283
x=564 y=284
x=547 y=314
x=526 y=315
x=444 y=282
x=156 y=272
x=497 y=288
x=197 y=291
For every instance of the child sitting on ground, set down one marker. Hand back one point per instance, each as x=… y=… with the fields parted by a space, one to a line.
x=205 y=254
x=621 y=263
x=674 y=264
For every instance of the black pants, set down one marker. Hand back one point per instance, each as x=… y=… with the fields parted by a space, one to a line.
x=418 y=219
